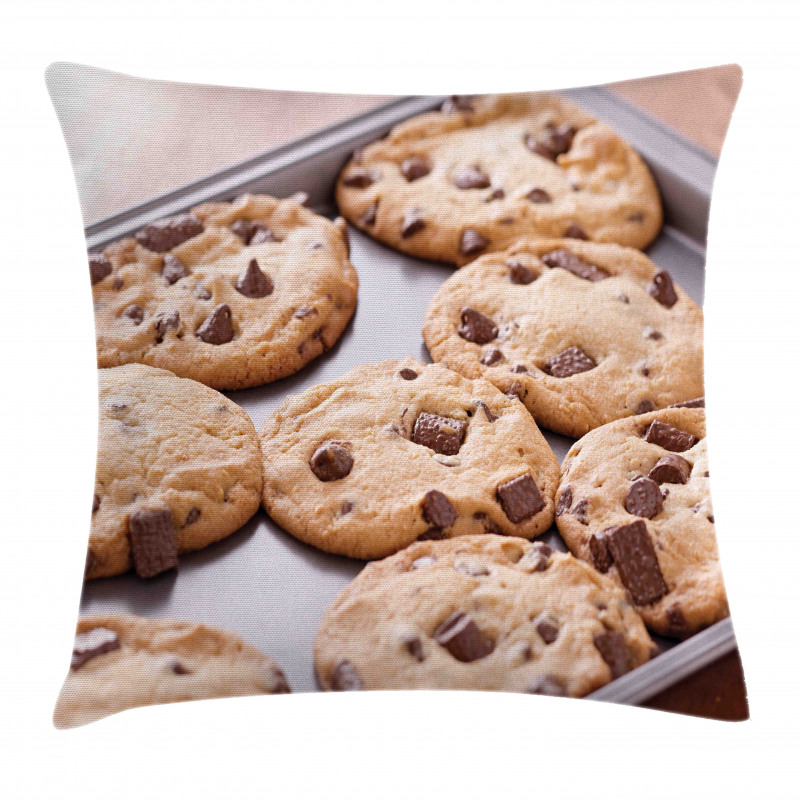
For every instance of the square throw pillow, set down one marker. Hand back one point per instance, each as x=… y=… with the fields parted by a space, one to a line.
x=397 y=393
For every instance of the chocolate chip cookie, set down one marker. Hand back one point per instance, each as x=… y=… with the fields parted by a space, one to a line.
x=398 y=451
x=480 y=612
x=582 y=333
x=449 y=185
x=634 y=502
x=178 y=468
x=231 y=294
x=121 y=662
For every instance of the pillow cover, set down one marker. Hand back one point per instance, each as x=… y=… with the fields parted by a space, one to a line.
x=460 y=339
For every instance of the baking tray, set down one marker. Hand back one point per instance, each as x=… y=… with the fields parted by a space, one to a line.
x=267 y=586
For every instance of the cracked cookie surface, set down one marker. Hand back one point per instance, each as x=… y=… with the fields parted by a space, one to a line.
x=449 y=185
x=231 y=294
x=391 y=452
x=479 y=612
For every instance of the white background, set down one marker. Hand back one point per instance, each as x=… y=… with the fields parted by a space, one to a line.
x=401 y=744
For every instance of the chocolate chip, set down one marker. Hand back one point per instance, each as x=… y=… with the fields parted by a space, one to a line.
x=135 y=313
x=457 y=103
x=699 y=402
x=370 y=215
x=95 y=503
x=438 y=510
x=174 y=269
x=486 y=410
x=462 y=638
x=516 y=390
x=253 y=282
x=497 y=194
x=662 y=289
x=360 y=178
x=537 y=147
x=671 y=469
x=347 y=507
x=645 y=406
x=93 y=643
x=472 y=242
x=408 y=374
x=572 y=263
x=547 y=685
x=520 y=274
x=675 y=618
x=571 y=361
x=415 y=167
x=637 y=562
x=415 y=649
x=614 y=651
x=491 y=357
x=520 y=498
x=331 y=462
x=412 y=223
x=576 y=232
x=153 y=545
x=168 y=233
x=558 y=139
x=546 y=628
x=519 y=369
x=345 y=678
x=443 y=435
x=165 y=321
x=601 y=555
x=580 y=511
x=475 y=327
x=668 y=437
x=539 y=196
x=117 y=283
x=536 y=558
x=251 y=232
x=192 y=516
x=218 y=326
x=471 y=178
x=99 y=267
x=178 y=668
x=644 y=498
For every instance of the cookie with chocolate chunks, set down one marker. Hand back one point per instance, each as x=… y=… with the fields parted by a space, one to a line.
x=231 y=294
x=571 y=328
x=178 y=467
x=450 y=185
x=399 y=451
x=480 y=612
x=648 y=521
x=123 y=661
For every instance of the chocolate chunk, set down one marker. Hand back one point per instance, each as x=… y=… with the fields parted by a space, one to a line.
x=536 y=558
x=347 y=507
x=455 y=103
x=486 y=410
x=564 y=501
x=95 y=503
x=644 y=498
x=671 y=469
x=166 y=321
x=547 y=685
x=646 y=405
x=252 y=232
x=443 y=435
x=438 y=510
x=519 y=369
x=558 y=139
x=117 y=283
x=637 y=562
x=572 y=263
x=520 y=498
x=571 y=361
x=471 y=178
x=93 y=643
x=546 y=627
x=174 y=269
x=497 y=194
x=135 y=313
x=472 y=242
x=153 y=545
x=576 y=232
x=538 y=147
x=668 y=437
x=614 y=651
x=580 y=511
x=412 y=223
x=601 y=555
x=408 y=374
x=192 y=516
x=415 y=649
x=462 y=638
x=475 y=327
x=491 y=357
x=370 y=215
x=168 y=233
x=699 y=402
x=538 y=195
x=331 y=462
x=415 y=167
x=345 y=678
x=520 y=274
x=516 y=390
x=662 y=289
x=99 y=267
x=253 y=282
x=360 y=178
x=218 y=326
